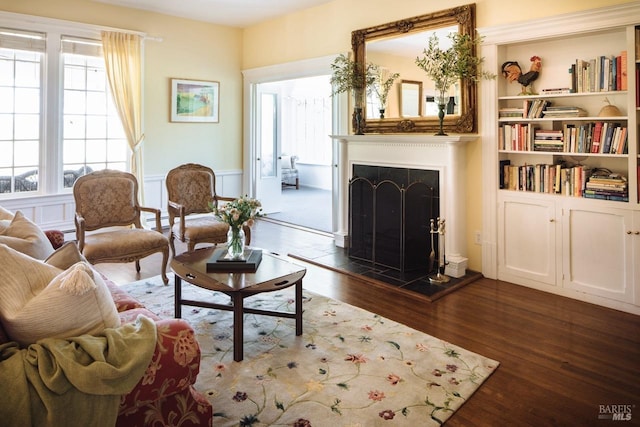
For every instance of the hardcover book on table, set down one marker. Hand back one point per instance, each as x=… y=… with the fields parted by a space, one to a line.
x=219 y=262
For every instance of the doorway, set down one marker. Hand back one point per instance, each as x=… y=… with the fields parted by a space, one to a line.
x=294 y=121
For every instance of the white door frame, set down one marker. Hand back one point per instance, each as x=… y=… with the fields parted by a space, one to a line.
x=292 y=70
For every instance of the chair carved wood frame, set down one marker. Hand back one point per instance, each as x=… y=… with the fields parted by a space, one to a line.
x=190 y=189
x=108 y=221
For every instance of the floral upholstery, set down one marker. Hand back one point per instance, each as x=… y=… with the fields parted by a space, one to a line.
x=108 y=200
x=191 y=189
x=56 y=237
x=164 y=396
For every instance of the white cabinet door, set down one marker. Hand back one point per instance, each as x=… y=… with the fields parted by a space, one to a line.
x=527 y=240
x=597 y=252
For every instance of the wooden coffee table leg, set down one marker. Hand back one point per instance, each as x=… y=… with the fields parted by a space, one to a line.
x=299 y=307
x=238 y=327
x=177 y=296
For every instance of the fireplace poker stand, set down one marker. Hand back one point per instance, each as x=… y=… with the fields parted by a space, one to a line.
x=439 y=277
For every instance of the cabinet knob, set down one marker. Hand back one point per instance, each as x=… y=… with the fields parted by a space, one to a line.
x=552 y=220
x=629 y=232
x=636 y=233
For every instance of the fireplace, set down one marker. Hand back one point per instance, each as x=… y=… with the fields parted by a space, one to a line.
x=442 y=154
x=389 y=216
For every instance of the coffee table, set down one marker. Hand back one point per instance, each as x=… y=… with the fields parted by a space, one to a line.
x=274 y=273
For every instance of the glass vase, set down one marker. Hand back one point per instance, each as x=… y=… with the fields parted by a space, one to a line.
x=235 y=242
x=442 y=104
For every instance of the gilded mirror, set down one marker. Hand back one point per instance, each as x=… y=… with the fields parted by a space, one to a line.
x=395 y=46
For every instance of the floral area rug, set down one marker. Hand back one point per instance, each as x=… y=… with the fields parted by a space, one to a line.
x=350 y=367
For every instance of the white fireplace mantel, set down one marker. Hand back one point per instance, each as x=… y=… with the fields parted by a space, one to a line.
x=445 y=154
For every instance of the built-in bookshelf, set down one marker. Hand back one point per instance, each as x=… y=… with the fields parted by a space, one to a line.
x=576 y=124
x=565 y=161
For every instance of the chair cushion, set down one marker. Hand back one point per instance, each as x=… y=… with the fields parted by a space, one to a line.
x=25 y=236
x=126 y=244
x=38 y=300
x=204 y=228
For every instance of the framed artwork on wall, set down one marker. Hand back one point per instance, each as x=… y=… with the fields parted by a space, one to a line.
x=194 y=101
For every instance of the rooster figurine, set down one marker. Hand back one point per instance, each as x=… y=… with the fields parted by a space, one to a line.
x=513 y=73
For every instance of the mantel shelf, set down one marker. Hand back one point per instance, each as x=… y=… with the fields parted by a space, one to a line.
x=409 y=138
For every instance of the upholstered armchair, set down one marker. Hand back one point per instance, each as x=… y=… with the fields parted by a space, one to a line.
x=108 y=221
x=289 y=171
x=190 y=189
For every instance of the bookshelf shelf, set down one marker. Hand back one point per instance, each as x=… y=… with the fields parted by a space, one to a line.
x=564 y=119
x=564 y=95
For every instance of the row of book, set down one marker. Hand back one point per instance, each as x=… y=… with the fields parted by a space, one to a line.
x=590 y=137
x=601 y=74
x=573 y=181
x=596 y=137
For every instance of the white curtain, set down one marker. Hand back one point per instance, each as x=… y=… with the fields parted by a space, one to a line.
x=123 y=61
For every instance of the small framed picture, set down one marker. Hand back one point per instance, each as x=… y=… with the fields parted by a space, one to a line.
x=194 y=101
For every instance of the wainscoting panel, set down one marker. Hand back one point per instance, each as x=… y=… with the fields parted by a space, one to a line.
x=57 y=211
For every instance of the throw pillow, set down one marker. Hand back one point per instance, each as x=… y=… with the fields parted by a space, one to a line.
x=25 y=236
x=22 y=279
x=5 y=214
x=76 y=302
x=65 y=256
x=285 y=163
x=5 y=218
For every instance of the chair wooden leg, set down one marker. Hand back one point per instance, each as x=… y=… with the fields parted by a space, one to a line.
x=165 y=259
x=138 y=265
x=172 y=244
x=297 y=183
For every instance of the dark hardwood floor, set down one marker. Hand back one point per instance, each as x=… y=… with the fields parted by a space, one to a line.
x=560 y=359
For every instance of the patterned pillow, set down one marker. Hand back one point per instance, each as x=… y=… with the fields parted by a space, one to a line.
x=73 y=302
x=25 y=236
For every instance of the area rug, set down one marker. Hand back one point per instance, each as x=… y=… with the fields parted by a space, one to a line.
x=350 y=367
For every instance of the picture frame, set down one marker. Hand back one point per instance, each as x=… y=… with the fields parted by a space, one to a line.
x=195 y=101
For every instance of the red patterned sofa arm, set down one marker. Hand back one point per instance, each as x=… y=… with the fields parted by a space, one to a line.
x=165 y=393
x=175 y=363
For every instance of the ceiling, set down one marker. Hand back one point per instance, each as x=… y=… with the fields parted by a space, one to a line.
x=233 y=13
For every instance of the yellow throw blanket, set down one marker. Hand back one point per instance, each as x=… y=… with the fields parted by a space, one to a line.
x=76 y=381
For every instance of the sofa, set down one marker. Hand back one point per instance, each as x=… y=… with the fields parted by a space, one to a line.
x=161 y=393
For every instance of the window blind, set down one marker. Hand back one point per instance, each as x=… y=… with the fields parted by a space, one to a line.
x=22 y=40
x=81 y=46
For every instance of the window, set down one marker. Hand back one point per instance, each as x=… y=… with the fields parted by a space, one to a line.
x=306 y=123
x=57 y=118
x=21 y=56
x=93 y=137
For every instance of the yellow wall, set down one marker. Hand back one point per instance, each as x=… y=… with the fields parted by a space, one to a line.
x=326 y=30
x=188 y=50
x=196 y=50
